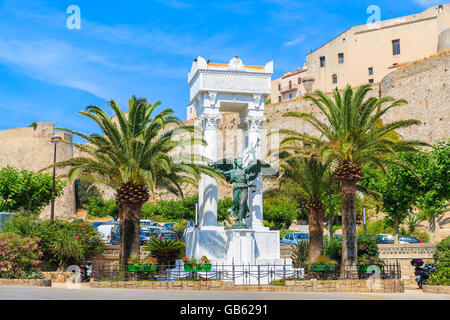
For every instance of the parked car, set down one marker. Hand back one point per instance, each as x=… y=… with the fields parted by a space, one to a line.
x=169 y=225
x=146 y=223
x=105 y=232
x=4 y=218
x=404 y=239
x=381 y=238
x=294 y=238
x=168 y=235
x=115 y=235
x=96 y=224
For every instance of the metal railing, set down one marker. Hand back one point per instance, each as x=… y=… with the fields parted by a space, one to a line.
x=242 y=274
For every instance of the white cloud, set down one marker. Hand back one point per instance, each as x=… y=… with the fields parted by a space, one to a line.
x=294 y=41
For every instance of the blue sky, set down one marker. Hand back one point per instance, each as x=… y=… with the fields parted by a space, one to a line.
x=49 y=72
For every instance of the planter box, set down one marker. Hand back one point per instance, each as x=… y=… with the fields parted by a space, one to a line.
x=190 y=267
x=322 y=267
x=142 y=267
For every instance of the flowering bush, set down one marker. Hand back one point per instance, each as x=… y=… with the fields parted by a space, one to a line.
x=18 y=255
x=187 y=260
x=365 y=261
x=205 y=260
x=88 y=238
x=136 y=259
x=322 y=260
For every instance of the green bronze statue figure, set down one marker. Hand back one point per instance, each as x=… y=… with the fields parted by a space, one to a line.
x=243 y=181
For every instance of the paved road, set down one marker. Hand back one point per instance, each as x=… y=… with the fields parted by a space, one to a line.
x=46 y=293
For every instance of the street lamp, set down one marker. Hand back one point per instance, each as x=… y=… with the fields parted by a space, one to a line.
x=55 y=140
x=364 y=217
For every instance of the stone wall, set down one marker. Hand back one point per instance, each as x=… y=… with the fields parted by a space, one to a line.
x=30 y=148
x=423 y=84
x=26 y=282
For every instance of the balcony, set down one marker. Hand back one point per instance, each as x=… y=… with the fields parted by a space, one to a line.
x=290 y=87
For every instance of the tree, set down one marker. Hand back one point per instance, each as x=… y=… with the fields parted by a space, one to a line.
x=351 y=136
x=132 y=156
x=397 y=187
x=434 y=190
x=308 y=181
x=26 y=190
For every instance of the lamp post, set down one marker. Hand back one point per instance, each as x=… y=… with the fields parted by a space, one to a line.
x=364 y=217
x=55 y=140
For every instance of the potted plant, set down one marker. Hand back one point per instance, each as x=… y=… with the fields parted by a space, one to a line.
x=149 y=264
x=133 y=263
x=189 y=263
x=322 y=263
x=204 y=264
x=364 y=262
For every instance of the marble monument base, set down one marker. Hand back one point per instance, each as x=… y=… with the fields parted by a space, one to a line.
x=248 y=254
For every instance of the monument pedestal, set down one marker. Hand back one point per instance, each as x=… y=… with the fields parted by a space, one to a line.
x=238 y=246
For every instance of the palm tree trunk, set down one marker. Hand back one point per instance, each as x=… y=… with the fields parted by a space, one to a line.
x=349 y=245
x=316 y=214
x=129 y=231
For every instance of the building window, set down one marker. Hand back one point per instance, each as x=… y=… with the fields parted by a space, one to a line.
x=341 y=58
x=299 y=93
x=290 y=84
x=279 y=87
x=396 y=47
x=370 y=71
x=299 y=80
x=322 y=61
x=335 y=79
x=290 y=95
x=370 y=80
x=279 y=98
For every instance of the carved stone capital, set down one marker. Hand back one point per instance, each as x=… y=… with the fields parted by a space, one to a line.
x=254 y=123
x=210 y=121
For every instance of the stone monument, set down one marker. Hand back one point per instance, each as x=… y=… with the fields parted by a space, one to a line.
x=234 y=87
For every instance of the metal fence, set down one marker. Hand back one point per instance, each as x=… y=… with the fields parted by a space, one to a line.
x=242 y=274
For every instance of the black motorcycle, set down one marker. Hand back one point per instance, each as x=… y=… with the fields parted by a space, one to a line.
x=422 y=273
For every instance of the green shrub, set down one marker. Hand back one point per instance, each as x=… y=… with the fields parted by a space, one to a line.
x=61 y=242
x=441 y=277
x=18 y=255
x=84 y=191
x=333 y=249
x=166 y=251
x=97 y=207
x=376 y=227
x=280 y=211
x=300 y=254
x=25 y=190
x=367 y=247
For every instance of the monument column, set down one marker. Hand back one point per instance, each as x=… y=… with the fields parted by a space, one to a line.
x=208 y=191
x=255 y=199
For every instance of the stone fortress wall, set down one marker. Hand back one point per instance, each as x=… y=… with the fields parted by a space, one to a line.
x=30 y=148
x=424 y=84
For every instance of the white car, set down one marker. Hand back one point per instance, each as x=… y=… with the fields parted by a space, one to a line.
x=105 y=232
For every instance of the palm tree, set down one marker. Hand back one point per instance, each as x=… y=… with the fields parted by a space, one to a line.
x=352 y=135
x=308 y=181
x=132 y=156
